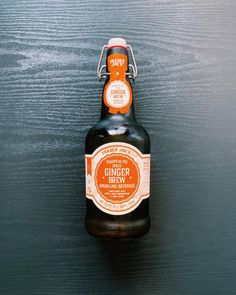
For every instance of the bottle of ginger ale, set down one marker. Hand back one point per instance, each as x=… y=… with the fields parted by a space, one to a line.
x=117 y=153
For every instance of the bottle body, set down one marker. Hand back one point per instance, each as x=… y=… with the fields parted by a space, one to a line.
x=117 y=152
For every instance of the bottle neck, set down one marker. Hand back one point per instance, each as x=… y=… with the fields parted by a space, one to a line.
x=117 y=97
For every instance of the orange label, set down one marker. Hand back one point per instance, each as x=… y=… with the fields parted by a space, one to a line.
x=118 y=92
x=117 y=177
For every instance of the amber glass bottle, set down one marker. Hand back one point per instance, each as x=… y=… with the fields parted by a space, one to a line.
x=117 y=154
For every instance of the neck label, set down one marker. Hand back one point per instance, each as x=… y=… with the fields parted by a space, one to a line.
x=118 y=92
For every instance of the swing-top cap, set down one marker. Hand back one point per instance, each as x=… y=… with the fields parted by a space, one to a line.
x=117 y=42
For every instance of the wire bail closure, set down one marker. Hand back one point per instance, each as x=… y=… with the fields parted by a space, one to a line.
x=102 y=69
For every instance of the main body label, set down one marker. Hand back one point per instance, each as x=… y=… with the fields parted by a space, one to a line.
x=117 y=177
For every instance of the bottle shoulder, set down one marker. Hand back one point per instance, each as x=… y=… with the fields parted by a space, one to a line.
x=118 y=130
x=108 y=127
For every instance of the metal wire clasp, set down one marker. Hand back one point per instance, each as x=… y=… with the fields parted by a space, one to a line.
x=102 y=69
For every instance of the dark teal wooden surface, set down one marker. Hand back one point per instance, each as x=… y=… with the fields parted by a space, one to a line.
x=50 y=97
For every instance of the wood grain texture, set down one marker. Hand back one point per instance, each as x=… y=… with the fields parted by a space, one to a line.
x=50 y=97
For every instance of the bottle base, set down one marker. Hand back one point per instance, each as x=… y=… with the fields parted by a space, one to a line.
x=117 y=230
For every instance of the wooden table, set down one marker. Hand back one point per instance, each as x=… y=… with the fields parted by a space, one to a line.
x=50 y=97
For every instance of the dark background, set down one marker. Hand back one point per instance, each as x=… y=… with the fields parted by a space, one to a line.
x=50 y=97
